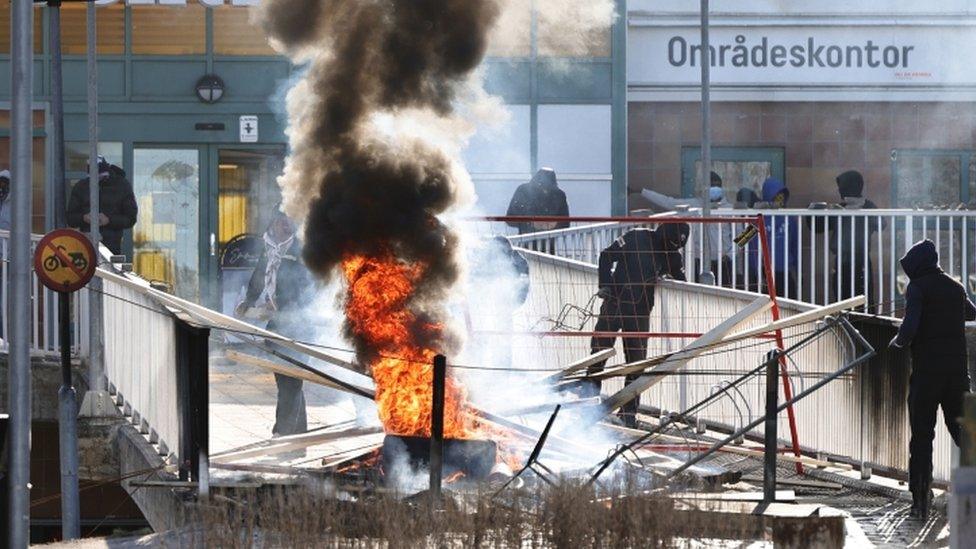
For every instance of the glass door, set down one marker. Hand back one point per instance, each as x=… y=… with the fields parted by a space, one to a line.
x=166 y=239
x=247 y=198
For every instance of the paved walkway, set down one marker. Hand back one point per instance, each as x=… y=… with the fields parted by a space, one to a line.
x=242 y=413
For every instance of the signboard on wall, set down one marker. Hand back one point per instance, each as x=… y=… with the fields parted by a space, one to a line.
x=810 y=56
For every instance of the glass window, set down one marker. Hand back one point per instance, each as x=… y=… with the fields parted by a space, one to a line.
x=76 y=154
x=5 y=30
x=235 y=34
x=512 y=36
x=169 y=30
x=247 y=200
x=165 y=240
x=737 y=175
x=927 y=179
x=110 y=35
x=554 y=41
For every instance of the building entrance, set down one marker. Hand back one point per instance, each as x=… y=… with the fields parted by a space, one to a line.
x=202 y=211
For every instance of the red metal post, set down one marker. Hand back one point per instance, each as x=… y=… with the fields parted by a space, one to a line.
x=787 y=385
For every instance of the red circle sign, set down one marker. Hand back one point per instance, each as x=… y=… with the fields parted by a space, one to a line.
x=64 y=260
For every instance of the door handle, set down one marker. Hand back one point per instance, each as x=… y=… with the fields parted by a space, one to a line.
x=213 y=245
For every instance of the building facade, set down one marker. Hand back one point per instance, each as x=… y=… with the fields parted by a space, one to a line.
x=804 y=91
x=204 y=171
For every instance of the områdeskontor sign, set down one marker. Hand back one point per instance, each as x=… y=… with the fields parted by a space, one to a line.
x=804 y=56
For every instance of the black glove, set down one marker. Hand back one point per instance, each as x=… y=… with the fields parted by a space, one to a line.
x=604 y=293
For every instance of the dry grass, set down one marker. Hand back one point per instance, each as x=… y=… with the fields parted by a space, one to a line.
x=565 y=516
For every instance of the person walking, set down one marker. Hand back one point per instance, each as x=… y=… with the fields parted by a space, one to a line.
x=540 y=197
x=628 y=271
x=936 y=312
x=117 y=208
x=280 y=284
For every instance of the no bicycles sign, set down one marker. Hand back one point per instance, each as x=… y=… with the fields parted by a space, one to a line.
x=64 y=260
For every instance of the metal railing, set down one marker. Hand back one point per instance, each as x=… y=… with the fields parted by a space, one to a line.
x=140 y=358
x=43 y=311
x=862 y=416
x=819 y=256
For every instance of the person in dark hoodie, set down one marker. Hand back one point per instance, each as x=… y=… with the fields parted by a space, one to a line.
x=117 y=205
x=854 y=257
x=936 y=312
x=281 y=284
x=540 y=197
x=628 y=270
x=782 y=233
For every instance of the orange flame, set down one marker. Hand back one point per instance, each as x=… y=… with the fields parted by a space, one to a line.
x=380 y=288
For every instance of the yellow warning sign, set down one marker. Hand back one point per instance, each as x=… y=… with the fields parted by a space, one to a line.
x=64 y=260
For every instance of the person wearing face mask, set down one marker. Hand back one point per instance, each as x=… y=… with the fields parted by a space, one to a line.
x=628 y=270
x=5 y=200
x=117 y=205
x=281 y=285
x=720 y=237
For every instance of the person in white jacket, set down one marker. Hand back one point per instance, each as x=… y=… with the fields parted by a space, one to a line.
x=719 y=236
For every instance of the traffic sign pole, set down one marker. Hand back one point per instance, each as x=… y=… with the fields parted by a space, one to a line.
x=65 y=261
x=68 y=428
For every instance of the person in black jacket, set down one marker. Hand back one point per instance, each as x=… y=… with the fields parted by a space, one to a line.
x=117 y=205
x=628 y=270
x=540 y=197
x=281 y=284
x=936 y=312
x=855 y=261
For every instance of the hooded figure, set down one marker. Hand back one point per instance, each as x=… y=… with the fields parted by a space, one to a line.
x=936 y=312
x=746 y=198
x=628 y=270
x=719 y=237
x=281 y=284
x=540 y=197
x=854 y=257
x=783 y=234
x=117 y=205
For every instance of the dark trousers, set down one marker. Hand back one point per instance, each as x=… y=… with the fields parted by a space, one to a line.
x=928 y=389
x=290 y=418
x=848 y=291
x=615 y=317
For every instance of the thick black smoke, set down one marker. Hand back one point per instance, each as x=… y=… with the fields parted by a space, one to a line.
x=362 y=193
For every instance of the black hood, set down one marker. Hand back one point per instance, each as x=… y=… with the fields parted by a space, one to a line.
x=671 y=237
x=850 y=184
x=545 y=177
x=921 y=259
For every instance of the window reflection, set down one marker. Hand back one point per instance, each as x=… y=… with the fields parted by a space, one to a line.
x=166 y=237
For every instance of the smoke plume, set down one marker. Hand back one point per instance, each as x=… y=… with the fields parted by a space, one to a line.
x=364 y=171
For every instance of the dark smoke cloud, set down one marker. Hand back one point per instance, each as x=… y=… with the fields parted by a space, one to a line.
x=361 y=193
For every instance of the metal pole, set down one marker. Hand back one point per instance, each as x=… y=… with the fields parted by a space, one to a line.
x=19 y=294
x=67 y=428
x=772 y=402
x=437 y=427
x=96 y=357
x=706 y=275
x=57 y=115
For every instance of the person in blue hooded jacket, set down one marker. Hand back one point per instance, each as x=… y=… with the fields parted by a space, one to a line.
x=782 y=232
x=936 y=311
